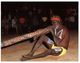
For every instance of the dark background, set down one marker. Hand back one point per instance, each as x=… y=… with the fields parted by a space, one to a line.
x=23 y=8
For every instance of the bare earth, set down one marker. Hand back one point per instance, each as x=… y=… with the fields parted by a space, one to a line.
x=14 y=53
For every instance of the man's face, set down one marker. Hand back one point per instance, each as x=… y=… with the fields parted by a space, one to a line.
x=44 y=19
x=55 y=23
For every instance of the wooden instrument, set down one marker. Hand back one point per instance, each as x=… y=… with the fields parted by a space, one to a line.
x=26 y=36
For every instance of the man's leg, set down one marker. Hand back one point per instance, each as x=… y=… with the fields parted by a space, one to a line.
x=57 y=51
x=44 y=54
x=37 y=45
x=30 y=54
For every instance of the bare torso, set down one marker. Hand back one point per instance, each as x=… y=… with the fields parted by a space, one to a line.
x=61 y=36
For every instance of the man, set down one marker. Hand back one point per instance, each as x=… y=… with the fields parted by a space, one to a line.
x=5 y=25
x=58 y=47
x=22 y=22
x=14 y=24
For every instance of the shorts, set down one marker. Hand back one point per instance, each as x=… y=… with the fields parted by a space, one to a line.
x=63 y=50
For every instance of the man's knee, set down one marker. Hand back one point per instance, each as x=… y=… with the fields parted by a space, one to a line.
x=44 y=37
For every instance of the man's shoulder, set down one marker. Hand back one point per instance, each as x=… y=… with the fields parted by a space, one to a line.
x=65 y=29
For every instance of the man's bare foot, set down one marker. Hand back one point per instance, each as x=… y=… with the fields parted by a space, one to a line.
x=26 y=58
x=28 y=55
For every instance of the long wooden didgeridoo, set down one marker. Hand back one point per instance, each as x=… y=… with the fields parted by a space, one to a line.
x=26 y=36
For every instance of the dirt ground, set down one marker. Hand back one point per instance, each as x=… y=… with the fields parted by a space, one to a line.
x=14 y=53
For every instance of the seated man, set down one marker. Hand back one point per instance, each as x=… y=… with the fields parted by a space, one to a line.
x=58 y=47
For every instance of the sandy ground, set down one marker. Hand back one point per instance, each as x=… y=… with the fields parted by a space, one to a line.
x=14 y=53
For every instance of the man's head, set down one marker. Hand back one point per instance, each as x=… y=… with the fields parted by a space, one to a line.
x=56 y=20
x=44 y=19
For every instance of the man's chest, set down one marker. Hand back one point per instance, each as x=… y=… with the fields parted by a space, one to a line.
x=58 y=32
